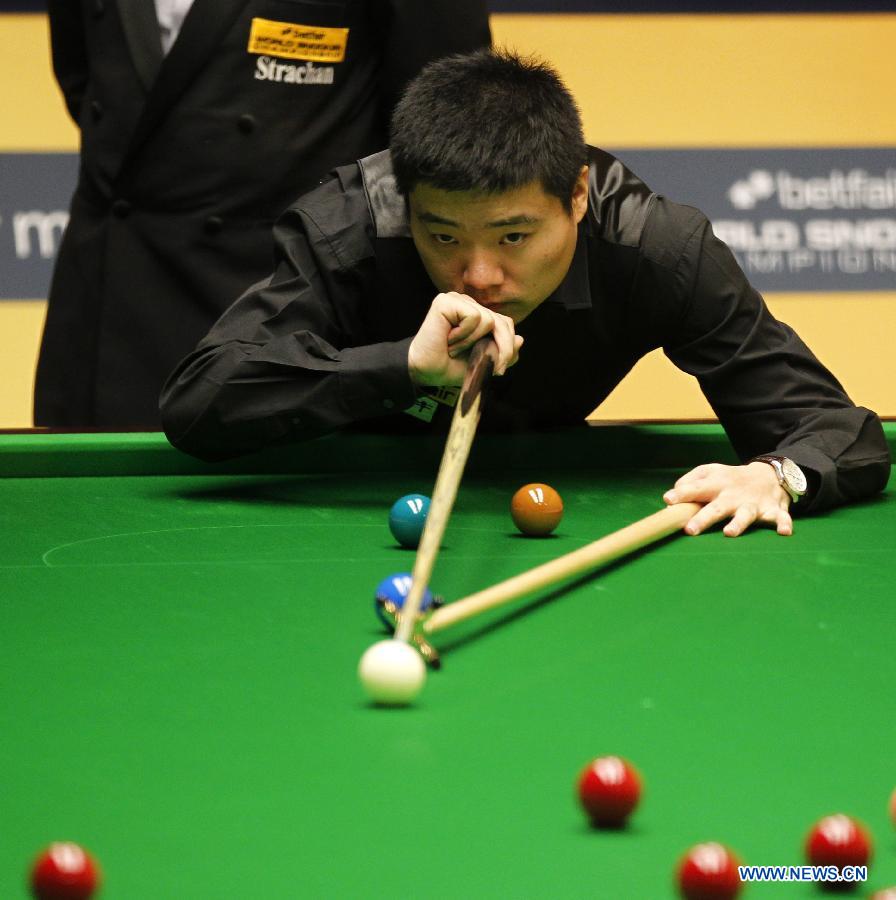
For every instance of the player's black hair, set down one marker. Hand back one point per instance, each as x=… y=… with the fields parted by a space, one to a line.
x=488 y=121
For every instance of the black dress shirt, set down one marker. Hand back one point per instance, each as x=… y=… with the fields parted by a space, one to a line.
x=323 y=343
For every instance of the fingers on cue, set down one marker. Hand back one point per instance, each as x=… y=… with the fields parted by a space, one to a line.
x=482 y=323
x=784 y=522
x=504 y=337
x=465 y=317
x=745 y=515
x=692 y=486
x=458 y=335
x=706 y=518
x=698 y=492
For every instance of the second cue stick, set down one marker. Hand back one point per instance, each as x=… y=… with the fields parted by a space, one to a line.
x=454 y=458
x=598 y=553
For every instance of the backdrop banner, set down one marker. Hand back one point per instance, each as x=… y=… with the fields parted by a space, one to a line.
x=798 y=220
x=35 y=190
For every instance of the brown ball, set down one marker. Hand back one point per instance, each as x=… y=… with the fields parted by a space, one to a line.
x=536 y=509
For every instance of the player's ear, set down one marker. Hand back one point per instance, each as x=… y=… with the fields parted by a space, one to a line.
x=580 y=195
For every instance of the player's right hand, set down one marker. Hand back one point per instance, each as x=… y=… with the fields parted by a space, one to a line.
x=439 y=351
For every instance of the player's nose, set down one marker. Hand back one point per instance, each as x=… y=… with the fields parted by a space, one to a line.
x=481 y=272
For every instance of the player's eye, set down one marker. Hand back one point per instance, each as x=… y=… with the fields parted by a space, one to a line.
x=443 y=239
x=515 y=238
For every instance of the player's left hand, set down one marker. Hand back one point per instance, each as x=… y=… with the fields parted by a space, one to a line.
x=747 y=494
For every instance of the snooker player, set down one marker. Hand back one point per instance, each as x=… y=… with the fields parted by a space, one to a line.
x=490 y=215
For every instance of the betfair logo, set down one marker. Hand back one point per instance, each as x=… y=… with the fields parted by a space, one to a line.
x=838 y=189
x=303 y=35
x=747 y=193
x=291 y=41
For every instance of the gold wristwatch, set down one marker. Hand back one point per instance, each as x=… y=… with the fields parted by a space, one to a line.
x=790 y=476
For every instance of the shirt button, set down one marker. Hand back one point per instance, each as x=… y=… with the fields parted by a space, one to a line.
x=246 y=123
x=121 y=209
x=213 y=225
x=389 y=404
x=96 y=110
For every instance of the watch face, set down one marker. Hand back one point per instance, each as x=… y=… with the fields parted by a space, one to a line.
x=794 y=476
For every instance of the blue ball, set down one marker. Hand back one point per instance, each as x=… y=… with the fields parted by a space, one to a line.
x=396 y=588
x=407 y=518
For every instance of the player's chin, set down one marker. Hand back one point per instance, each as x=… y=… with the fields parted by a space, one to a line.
x=517 y=310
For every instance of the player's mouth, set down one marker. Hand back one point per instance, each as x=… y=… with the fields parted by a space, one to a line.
x=494 y=305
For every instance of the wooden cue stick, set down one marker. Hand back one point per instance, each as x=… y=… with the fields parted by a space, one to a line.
x=480 y=366
x=598 y=553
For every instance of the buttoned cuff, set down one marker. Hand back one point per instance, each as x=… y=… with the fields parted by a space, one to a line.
x=374 y=380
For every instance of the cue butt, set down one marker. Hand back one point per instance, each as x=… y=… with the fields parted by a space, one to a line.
x=598 y=553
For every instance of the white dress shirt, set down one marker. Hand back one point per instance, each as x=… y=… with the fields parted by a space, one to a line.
x=170 y=14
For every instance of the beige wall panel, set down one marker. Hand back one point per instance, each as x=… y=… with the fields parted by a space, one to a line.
x=854 y=335
x=34 y=116
x=721 y=81
x=21 y=324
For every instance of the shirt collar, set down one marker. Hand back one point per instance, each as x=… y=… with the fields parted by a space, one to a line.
x=574 y=292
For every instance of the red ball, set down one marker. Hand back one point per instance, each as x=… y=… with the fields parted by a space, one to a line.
x=838 y=841
x=536 y=509
x=609 y=789
x=709 y=872
x=64 y=871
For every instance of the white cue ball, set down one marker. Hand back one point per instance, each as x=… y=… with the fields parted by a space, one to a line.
x=392 y=673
